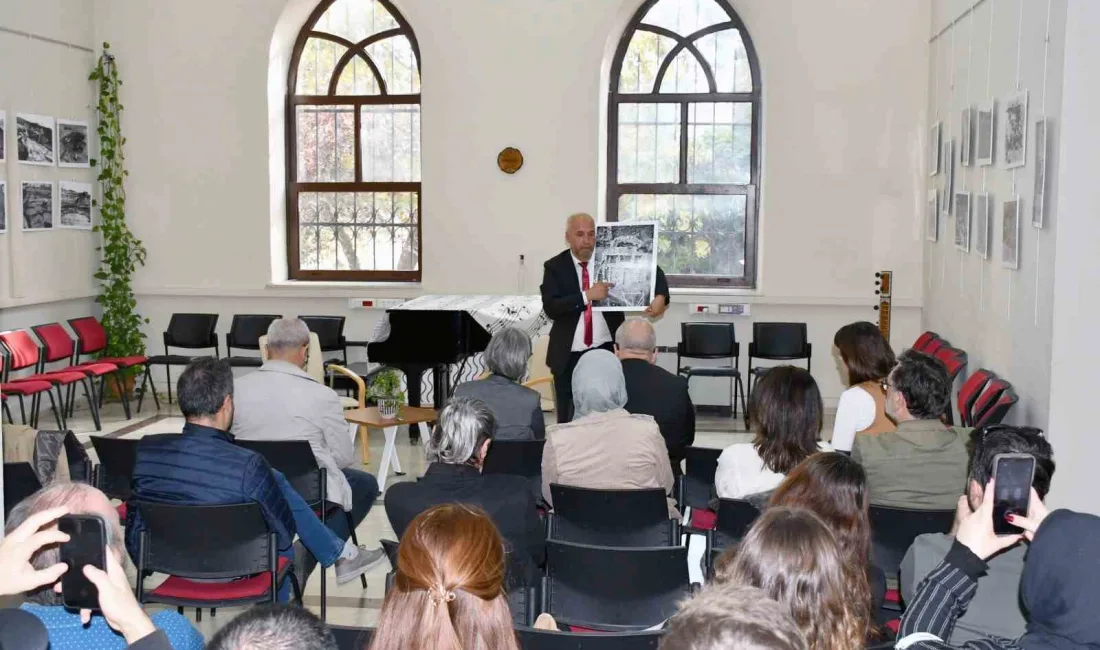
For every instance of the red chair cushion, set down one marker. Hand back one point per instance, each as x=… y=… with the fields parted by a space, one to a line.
x=892 y=596
x=894 y=625
x=25 y=387
x=585 y=630
x=121 y=509
x=60 y=377
x=704 y=519
x=126 y=362
x=97 y=368
x=251 y=587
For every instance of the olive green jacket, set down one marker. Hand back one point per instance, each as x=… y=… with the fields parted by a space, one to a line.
x=922 y=465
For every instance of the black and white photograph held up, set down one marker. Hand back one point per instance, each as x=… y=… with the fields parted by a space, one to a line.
x=1039 y=202
x=934 y=149
x=34 y=135
x=932 y=216
x=3 y=135
x=36 y=199
x=1016 y=130
x=626 y=256
x=1010 y=235
x=76 y=205
x=983 y=214
x=72 y=143
x=983 y=146
x=966 y=143
x=962 y=221
x=3 y=206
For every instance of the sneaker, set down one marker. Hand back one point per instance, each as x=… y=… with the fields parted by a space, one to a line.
x=350 y=569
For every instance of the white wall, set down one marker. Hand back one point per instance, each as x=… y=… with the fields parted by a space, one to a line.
x=1001 y=317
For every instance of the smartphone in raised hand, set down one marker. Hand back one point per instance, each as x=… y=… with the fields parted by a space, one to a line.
x=87 y=545
x=1013 y=474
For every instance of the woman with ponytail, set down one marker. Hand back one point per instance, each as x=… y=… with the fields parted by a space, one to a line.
x=448 y=593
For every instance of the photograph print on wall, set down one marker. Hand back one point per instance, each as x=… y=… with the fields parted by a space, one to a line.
x=934 y=149
x=72 y=143
x=962 y=221
x=967 y=139
x=76 y=205
x=3 y=134
x=1039 y=202
x=1010 y=235
x=948 y=177
x=983 y=214
x=1016 y=130
x=3 y=206
x=626 y=256
x=36 y=198
x=932 y=216
x=34 y=135
x=983 y=147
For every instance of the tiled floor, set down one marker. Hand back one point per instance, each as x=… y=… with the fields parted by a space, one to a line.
x=349 y=604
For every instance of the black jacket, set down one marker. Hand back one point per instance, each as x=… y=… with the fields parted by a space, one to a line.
x=563 y=303
x=508 y=500
x=652 y=390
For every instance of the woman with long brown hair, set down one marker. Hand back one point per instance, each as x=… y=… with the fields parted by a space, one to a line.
x=866 y=359
x=793 y=556
x=448 y=593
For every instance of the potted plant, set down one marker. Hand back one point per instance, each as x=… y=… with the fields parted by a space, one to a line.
x=385 y=390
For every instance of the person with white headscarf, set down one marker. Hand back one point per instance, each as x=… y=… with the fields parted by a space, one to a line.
x=605 y=447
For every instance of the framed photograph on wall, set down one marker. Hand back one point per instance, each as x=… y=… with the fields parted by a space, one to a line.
x=34 y=135
x=76 y=205
x=932 y=216
x=1010 y=234
x=3 y=135
x=72 y=143
x=36 y=201
x=984 y=134
x=934 y=149
x=1016 y=130
x=948 y=164
x=1039 y=200
x=3 y=206
x=962 y=221
x=983 y=215
x=966 y=140
x=626 y=256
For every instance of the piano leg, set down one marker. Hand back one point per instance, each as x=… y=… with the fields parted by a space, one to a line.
x=413 y=376
x=441 y=386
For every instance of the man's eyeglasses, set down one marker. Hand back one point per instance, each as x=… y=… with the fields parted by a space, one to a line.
x=885 y=385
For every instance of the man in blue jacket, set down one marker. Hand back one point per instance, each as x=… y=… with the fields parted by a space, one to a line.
x=204 y=467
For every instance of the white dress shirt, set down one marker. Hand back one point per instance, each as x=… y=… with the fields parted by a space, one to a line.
x=742 y=473
x=600 y=333
x=855 y=412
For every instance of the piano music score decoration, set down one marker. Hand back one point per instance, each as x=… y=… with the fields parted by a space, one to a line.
x=884 y=280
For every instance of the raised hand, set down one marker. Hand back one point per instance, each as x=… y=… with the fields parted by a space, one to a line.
x=976 y=529
x=23 y=542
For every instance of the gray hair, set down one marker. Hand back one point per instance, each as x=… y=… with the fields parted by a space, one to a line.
x=725 y=616
x=598 y=384
x=464 y=425
x=636 y=334
x=274 y=627
x=287 y=334
x=77 y=497
x=508 y=353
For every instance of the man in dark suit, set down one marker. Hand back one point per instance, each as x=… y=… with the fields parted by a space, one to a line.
x=567 y=295
x=652 y=390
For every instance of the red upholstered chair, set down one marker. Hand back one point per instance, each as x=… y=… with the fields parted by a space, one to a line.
x=934 y=345
x=33 y=389
x=924 y=340
x=969 y=392
x=997 y=412
x=58 y=346
x=24 y=353
x=91 y=339
x=955 y=360
x=987 y=399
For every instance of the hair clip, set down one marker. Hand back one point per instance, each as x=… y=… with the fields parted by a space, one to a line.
x=439 y=595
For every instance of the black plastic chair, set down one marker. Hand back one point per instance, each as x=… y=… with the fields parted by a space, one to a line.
x=532 y=639
x=622 y=518
x=330 y=334
x=614 y=589
x=22 y=630
x=210 y=543
x=186 y=331
x=516 y=457
x=777 y=342
x=694 y=486
x=115 y=472
x=352 y=638
x=20 y=482
x=735 y=518
x=244 y=334
x=894 y=529
x=712 y=341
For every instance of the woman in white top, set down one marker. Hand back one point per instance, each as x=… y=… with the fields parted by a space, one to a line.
x=866 y=359
x=786 y=412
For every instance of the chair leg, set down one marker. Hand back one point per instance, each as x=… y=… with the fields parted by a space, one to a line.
x=102 y=389
x=122 y=394
x=198 y=615
x=365 y=451
x=7 y=411
x=744 y=403
x=141 y=391
x=355 y=541
x=23 y=410
x=213 y=612
x=168 y=374
x=89 y=392
x=58 y=413
x=180 y=610
x=156 y=400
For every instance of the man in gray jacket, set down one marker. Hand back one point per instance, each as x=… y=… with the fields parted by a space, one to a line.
x=280 y=401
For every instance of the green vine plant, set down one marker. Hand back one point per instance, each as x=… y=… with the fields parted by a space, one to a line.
x=386 y=384
x=121 y=252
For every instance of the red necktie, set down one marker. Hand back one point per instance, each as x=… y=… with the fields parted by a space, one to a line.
x=588 y=308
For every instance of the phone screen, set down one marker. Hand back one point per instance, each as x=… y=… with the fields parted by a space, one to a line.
x=1013 y=490
x=87 y=545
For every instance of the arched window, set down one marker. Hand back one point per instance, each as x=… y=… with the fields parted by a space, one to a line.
x=353 y=145
x=684 y=138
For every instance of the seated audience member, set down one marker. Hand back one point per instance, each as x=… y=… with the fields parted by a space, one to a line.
x=279 y=401
x=834 y=487
x=786 y=413
x=725 y=617
x=204 y=467
x=456 y=452
x=798 y=562
x=922 y=465
x=995 y=608
x=604 y=447
x=121 y=620
x=448 y=591
x=274 y=627
x=517 y=409
x=1059 y=587
x=652 y=390
x=866 y=359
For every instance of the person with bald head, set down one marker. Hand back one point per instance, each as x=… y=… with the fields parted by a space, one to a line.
x=568 y=290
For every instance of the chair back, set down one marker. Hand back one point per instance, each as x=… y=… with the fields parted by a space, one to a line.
x=700 y=465
x=115 y=473
x=996 y=413
x=329 y=330
x=611 y=517
x=192 y=331
x=614 y=589
x=708 y=340
x=924 y=340
x=894 y=529
x=23 y=630
x=246 y=329
x=518 y=457
x=23 y=352
x=735 y=518
x=935 y=344
x=315 y=365
x=532 y=639
x=969 y=392
x=779 y=341
x=352 y=638
x=953 y=359
x=987 y=398
x=389 y=547
x=20 y=482
x=295 y=459
x=90 y=335
x=56 y=344
x=205 y=542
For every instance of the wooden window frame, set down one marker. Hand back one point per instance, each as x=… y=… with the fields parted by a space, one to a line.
x=294 y=187
x=751 y=191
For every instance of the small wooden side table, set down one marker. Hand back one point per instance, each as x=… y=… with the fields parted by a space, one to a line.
x=372 y=419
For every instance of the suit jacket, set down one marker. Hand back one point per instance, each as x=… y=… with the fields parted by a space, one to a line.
x=563 y=302
x=517 y=409
x=281 y=402
x=507 y=500
x=652 y=390
x=204 y=467
x=922 y=465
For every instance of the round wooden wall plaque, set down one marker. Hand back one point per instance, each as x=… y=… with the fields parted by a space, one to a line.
x=509 y=160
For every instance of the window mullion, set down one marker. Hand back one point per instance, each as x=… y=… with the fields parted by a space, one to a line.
x=683 y=143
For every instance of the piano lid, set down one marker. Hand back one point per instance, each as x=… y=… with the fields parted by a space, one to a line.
x=493 y=313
